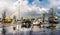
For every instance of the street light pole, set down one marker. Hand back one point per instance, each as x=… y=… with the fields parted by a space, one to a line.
x=19 y=10
x=18 y=16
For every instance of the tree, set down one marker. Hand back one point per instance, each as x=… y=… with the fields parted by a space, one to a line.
x=3 y=21
x=51 y=12
x=14 y=19
x=43 y=17
x=4 y=16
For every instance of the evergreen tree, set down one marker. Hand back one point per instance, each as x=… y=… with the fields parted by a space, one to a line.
x=4 y=16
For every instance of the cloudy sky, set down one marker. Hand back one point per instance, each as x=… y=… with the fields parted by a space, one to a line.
x=28 y=8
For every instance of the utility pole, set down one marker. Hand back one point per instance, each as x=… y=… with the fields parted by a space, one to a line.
x=18 y=17
x=19 y=10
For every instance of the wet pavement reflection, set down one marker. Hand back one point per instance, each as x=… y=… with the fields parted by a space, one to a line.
x=31 y=31
x=35 y=33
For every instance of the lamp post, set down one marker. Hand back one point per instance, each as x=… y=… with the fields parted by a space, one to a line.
x=18 y=16
x=19 y=10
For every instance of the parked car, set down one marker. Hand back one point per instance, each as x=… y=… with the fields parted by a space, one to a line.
x=26 y=23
